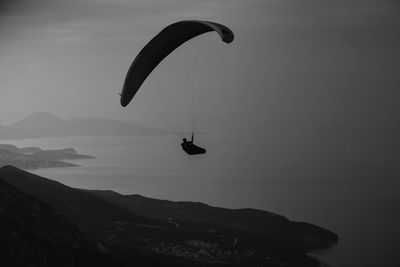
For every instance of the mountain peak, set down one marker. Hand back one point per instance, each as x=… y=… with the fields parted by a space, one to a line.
x=44 y=124
x=42 y=116
x=38 y=119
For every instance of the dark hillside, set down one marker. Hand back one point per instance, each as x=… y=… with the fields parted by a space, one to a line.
x=33 y=234
x=149 y=232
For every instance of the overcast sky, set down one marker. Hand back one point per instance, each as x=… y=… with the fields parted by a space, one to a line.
x=293 y=61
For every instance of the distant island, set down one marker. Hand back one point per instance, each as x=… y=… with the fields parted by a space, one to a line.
x=34 y=157
x=43 y=222
x=44 y=124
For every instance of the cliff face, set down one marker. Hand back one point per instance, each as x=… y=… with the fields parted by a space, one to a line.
x=151 y=232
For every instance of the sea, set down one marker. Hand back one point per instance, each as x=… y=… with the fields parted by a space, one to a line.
x=359 y=201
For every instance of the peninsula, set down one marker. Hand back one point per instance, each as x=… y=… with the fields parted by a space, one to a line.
x=34 y=157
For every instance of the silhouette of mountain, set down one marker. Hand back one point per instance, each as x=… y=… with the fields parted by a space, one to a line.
x=276 y=228
x=150 y=232
x=44 y=124
x=33 y=234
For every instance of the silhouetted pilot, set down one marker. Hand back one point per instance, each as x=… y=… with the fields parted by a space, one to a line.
x=191 y=148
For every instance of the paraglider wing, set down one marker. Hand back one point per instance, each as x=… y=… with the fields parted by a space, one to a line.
x=161 y=46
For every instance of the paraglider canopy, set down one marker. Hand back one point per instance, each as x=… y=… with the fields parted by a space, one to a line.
x=161 y=46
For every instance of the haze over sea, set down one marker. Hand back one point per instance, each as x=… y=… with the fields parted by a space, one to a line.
x=356 y=199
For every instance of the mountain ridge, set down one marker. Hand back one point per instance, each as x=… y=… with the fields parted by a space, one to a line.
x=33 y=234
x=45 y=124
x=224 y=237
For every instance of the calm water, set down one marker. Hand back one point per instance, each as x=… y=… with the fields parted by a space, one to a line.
x=358 y=201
